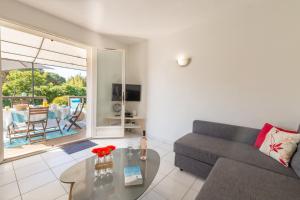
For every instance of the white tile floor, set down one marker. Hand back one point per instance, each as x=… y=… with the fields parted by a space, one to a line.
x=33 y=177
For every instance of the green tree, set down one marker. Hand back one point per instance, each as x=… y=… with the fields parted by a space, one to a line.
x=77 y=80
x=54 y=78
x=50 y=91
x=47 y=84
x=73 y=90
x=18 y=82
x=63 y=100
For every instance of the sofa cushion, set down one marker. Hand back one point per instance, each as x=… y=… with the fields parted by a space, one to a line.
x=226 y=131
x=209 y=149
x=232 y=180
x=295 y=162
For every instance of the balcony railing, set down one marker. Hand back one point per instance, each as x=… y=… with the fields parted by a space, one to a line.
x=23 y=99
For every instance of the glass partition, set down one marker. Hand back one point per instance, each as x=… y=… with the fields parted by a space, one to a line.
x=110 y=93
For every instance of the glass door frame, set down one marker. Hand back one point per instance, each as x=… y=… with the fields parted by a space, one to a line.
x=109 y=131
x=1 y=111
x=89 y=71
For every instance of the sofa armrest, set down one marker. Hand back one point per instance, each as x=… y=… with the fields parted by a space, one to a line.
x=226 y=131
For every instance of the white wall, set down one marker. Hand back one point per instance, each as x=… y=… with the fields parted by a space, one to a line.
x=245 y=70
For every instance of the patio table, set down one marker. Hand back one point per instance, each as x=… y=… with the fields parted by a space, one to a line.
x=58 y=114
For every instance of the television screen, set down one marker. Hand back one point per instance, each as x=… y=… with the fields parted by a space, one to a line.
x=133 y=92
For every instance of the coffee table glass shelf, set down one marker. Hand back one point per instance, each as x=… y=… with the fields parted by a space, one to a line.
x=84 y=185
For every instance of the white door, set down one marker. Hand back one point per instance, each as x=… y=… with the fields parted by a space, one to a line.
x=110 y=107
x=1 y=115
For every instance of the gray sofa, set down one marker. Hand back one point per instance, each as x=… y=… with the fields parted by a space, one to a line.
x=234 y=169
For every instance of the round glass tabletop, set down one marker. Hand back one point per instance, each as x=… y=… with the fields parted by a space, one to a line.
x=86 y=186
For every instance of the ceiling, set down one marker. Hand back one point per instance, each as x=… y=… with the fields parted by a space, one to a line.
x=136 y=18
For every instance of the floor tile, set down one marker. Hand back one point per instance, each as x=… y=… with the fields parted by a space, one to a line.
x=170 y=158
x=161 y=151
x=7 y=177
x=182 y=177
x=83 y=153
x=58 y=170
x=170 y=189
x=9 y=191
x=31 y=169
x=149 y=189
x=64 y=197
x=157 y=179
x=83 y=158
x=53 y=154
x=190 y=195
x=153 y=195
x=26 y=161
x=6 y=167
x=165 y=167
x=17 y=198
x=35 y=177
x=198 y=184
x=35 y=181
x=49 y=191
x=168 y=147
x=58 y=160
x=153 y=143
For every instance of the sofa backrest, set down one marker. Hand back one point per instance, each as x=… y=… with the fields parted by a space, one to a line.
x=226 y=131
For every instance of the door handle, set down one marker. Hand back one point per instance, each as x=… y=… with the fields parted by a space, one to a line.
x=123 y=96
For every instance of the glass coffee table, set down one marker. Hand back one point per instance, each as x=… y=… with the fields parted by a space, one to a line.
x=84 y=185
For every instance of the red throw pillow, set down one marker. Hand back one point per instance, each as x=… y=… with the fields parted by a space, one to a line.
x=264 y=131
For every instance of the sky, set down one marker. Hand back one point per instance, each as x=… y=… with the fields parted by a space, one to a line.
x=65 y=72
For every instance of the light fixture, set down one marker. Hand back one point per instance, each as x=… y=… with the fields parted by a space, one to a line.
x=183 y=61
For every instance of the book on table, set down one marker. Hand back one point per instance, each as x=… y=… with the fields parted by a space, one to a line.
x=133 y=175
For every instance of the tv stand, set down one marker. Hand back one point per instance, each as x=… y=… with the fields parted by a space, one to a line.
x=134 y=122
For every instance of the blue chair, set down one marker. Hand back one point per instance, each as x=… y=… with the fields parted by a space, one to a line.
x=73 y=102
x=74 y=117
x=18 y=127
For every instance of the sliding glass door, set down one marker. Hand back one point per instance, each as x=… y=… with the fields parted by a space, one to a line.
x=110 y=93
x=1 y=114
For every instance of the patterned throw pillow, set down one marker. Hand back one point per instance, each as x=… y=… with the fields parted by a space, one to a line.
x=264 y=131
x=280 y=145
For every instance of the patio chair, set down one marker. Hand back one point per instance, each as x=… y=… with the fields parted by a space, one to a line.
x=74 y=117
x=74 y=101
x=38 y=115
x=15 y=101
x=18 y=127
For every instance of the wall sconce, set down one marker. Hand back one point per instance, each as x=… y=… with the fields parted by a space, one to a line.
x=183 y=61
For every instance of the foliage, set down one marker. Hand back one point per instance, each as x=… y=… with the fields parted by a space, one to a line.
x=47 y=84
x=50 y=91
x=74 y=90
x=18 y=82
x=54 y=78
x=63 y=100
x=77 y=81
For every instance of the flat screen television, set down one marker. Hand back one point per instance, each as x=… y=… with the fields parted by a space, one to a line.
x=132 y=93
